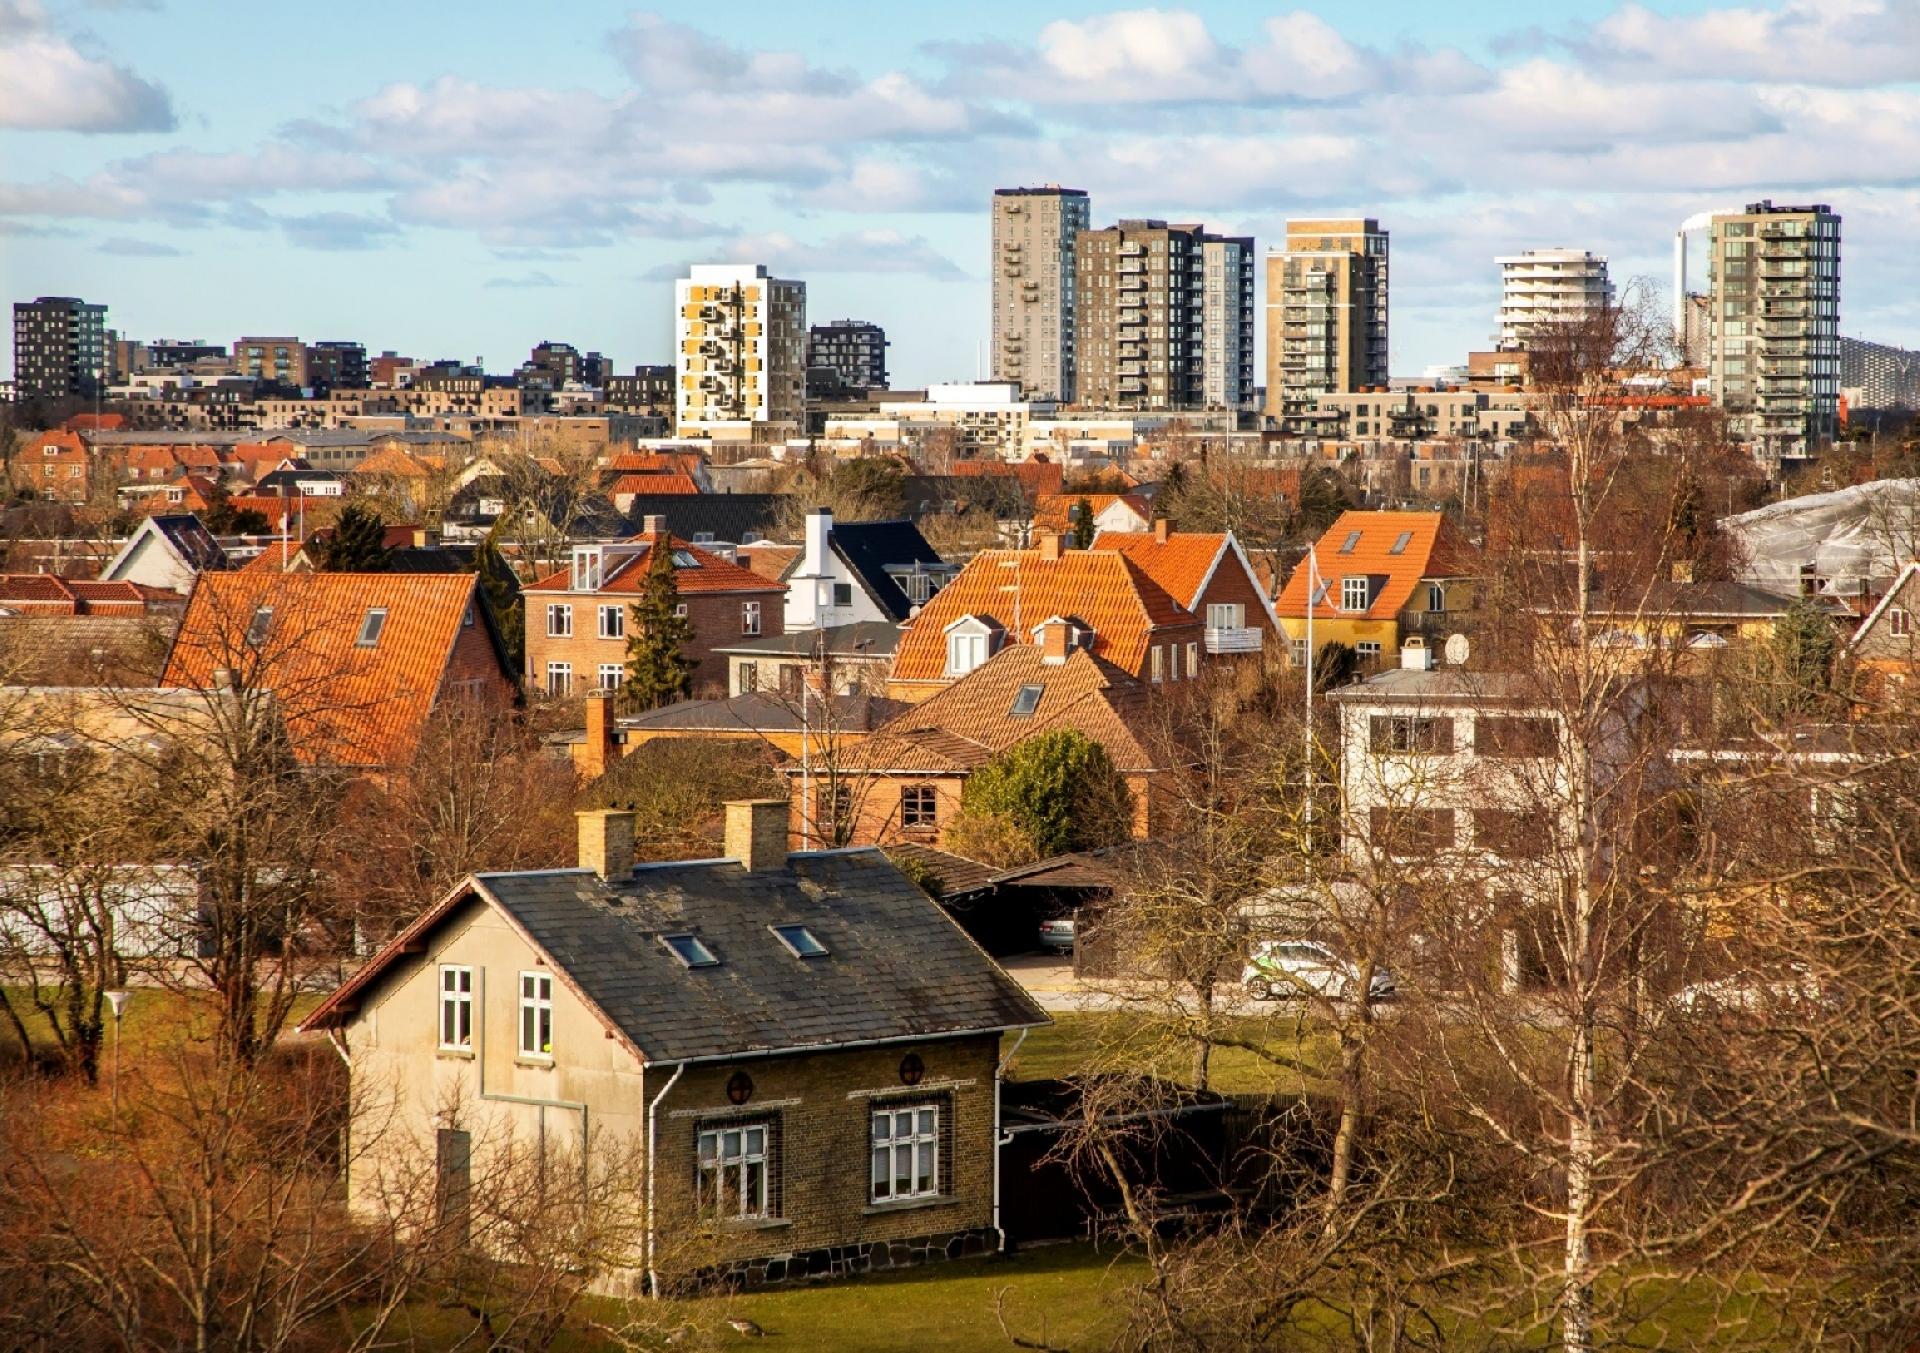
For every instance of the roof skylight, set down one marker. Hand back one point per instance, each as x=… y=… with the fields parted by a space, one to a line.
x=1348 y=545
x=690 y=950
x=800 y=941
x=1400 y=543
x=370 y=627
x=1026 y=702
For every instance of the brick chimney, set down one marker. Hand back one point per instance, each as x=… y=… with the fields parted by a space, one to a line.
x=1161 y=528
x=651 y=525
x=756 y=833
x=1050 y=545
x=1056 y=641
x=419 y=537
x=606 y=841
x=599 y=752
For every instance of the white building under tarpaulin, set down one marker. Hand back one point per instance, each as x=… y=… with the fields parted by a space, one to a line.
x=1843 y=539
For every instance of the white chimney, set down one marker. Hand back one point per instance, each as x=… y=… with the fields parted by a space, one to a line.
x=819 y=527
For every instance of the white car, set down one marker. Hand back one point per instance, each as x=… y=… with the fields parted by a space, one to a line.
x=1796 y=988
x=1284 y=969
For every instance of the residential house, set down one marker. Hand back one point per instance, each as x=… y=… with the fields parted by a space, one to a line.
x=855 y=571
x=904 y=782
x=1124 y=512
x=805 y=1052
x=577 y=616
x=1702 y=617
x=713 y=518
x=410 y=549
x=167 y=550
x=1000 y=598
x=794 y=727
x=54 y=630
x=623 y=490
x=1380 y=577
x=1885 y=649
x=1209 y=574
x=849 y=658
x=53 y=466
x=357 y=661
x=689 y=463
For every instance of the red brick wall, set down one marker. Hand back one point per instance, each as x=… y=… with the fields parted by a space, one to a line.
x=715 y=617
x=476 y=660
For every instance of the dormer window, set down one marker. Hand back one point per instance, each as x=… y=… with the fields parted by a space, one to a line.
x=800 y=941
x=971 y=640
x=690 y=950
x=370 y=627
x=1353 y=593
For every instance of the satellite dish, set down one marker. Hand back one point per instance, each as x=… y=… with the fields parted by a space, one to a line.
x=1457 y=650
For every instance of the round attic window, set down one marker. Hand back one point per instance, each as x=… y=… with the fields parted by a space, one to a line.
x=739 y=1088
x=912 y=1069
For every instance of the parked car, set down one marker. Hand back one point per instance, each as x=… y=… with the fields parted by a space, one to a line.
x=1284 y=969
x=1797 y=987
x=1056 y=936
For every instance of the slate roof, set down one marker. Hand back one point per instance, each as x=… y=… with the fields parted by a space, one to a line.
x=863 y=638
x=1433 y=550
x=867 y=547
x=192 y=541
x=765 y=712
x=953 y=875
x=724 y=516
x=896 y=968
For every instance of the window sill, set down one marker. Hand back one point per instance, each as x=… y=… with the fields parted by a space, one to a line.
x=908 y=1205
x=536 y=1063
x=749 y=1224
x=454 y=1054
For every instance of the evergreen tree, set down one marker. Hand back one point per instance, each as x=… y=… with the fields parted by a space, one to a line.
x=658 y=672
x=357 y=544
x=1056 y=792
x=500 y=591
x=224 y=519
x=1803 y=647
x=1083 y=524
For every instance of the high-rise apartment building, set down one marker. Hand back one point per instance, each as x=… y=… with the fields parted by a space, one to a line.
x=59 y=348
x=1227 y=319
x=1034 y=305
x=337 y=364
x=271 y=359
x=1326 y=312
x=740 y=339
x=853 y=349
x=1774 y=276
x=1543 y=287
x=1156 y=302
x=1881 y=375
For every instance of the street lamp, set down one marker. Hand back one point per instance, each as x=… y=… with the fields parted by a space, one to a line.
x=118 y=1000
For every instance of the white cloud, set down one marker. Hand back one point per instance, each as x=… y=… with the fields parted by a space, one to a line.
x=48 y=83
x=1827 y=42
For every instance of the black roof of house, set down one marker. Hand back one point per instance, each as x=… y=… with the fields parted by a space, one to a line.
x=729 y=517
x=896 y=968
x=861 y=638
x=867 y=547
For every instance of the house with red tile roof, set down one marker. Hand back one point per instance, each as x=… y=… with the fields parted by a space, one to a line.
x=1111 y=512
x=356 y=662
x=1208 y=573
x=903 y=782
x=1036 y=477
x=53 y=466
x=577 y=616
x=46 y=594
x=1380 y=577
x=1000 y=598
x=627 y=487
x=689 y=463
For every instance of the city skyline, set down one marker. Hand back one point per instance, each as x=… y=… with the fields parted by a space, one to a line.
x=456 y=196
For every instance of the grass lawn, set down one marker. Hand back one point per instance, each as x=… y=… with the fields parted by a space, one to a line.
x=1078 y=1042
x=156 y=1019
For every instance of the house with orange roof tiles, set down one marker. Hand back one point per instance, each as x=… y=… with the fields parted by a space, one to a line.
x=1111 y=512
x=577 y=616
x=1379 y=578
x=903 y=782
x=1208 y=573
x=356 y=662
x=1000 y=598
x=627 y=487
x=53 y=466
x=689 y=463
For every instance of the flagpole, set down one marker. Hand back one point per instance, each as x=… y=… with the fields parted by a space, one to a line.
x=1313 y=599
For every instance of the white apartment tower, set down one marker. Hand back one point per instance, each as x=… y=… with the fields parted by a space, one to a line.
x=1226 y=305
x=1549 y=286
x=739 y=350
x=1033 y=287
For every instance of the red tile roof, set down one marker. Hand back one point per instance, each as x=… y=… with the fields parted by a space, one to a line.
x=708 y=573
x=344 y=704
x=1035 y=476
x=1433 y=549
x=655 y=462
x=629 y=484
x=1054 y=511
x=1180 y=563
x=1018 y=589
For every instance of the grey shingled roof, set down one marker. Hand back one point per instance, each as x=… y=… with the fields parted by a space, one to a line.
x=896 y=966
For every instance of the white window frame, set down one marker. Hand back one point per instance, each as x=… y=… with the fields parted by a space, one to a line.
x=456 y=1007
x=1226 y=615
x=612 y=674
x=966 y=650
x=1193 y=660
x=564 y=671
x=680 y=610
x=1173 y=662
x=1367 y=648
x=613 y=622
x=715 y=1159
x=534 y=1029
x=1156 y=664
x=886 y=1142
x=1899 y=622
x=1436 y=597
x=1354 y=589
x=749 y=617
x=559 y=620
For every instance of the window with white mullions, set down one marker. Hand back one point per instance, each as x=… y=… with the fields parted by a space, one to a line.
x=906 y=1153
x=733 y=1172
x=536 y=1014
x=456 y=1007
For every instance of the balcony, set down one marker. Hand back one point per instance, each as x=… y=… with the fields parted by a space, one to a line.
x=1221 y=641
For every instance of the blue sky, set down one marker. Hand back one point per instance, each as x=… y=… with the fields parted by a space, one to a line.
x=466 y=180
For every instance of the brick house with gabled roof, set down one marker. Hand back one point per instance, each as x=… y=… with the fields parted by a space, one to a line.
x=1209 y=574
x=356 y=661
x=903 y=782
x=1386 y=575
x=1001 y=596
x=54 y=466
x=803 y=1050
x=1885 y=649
x=577 y=616
x=1111 y=511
